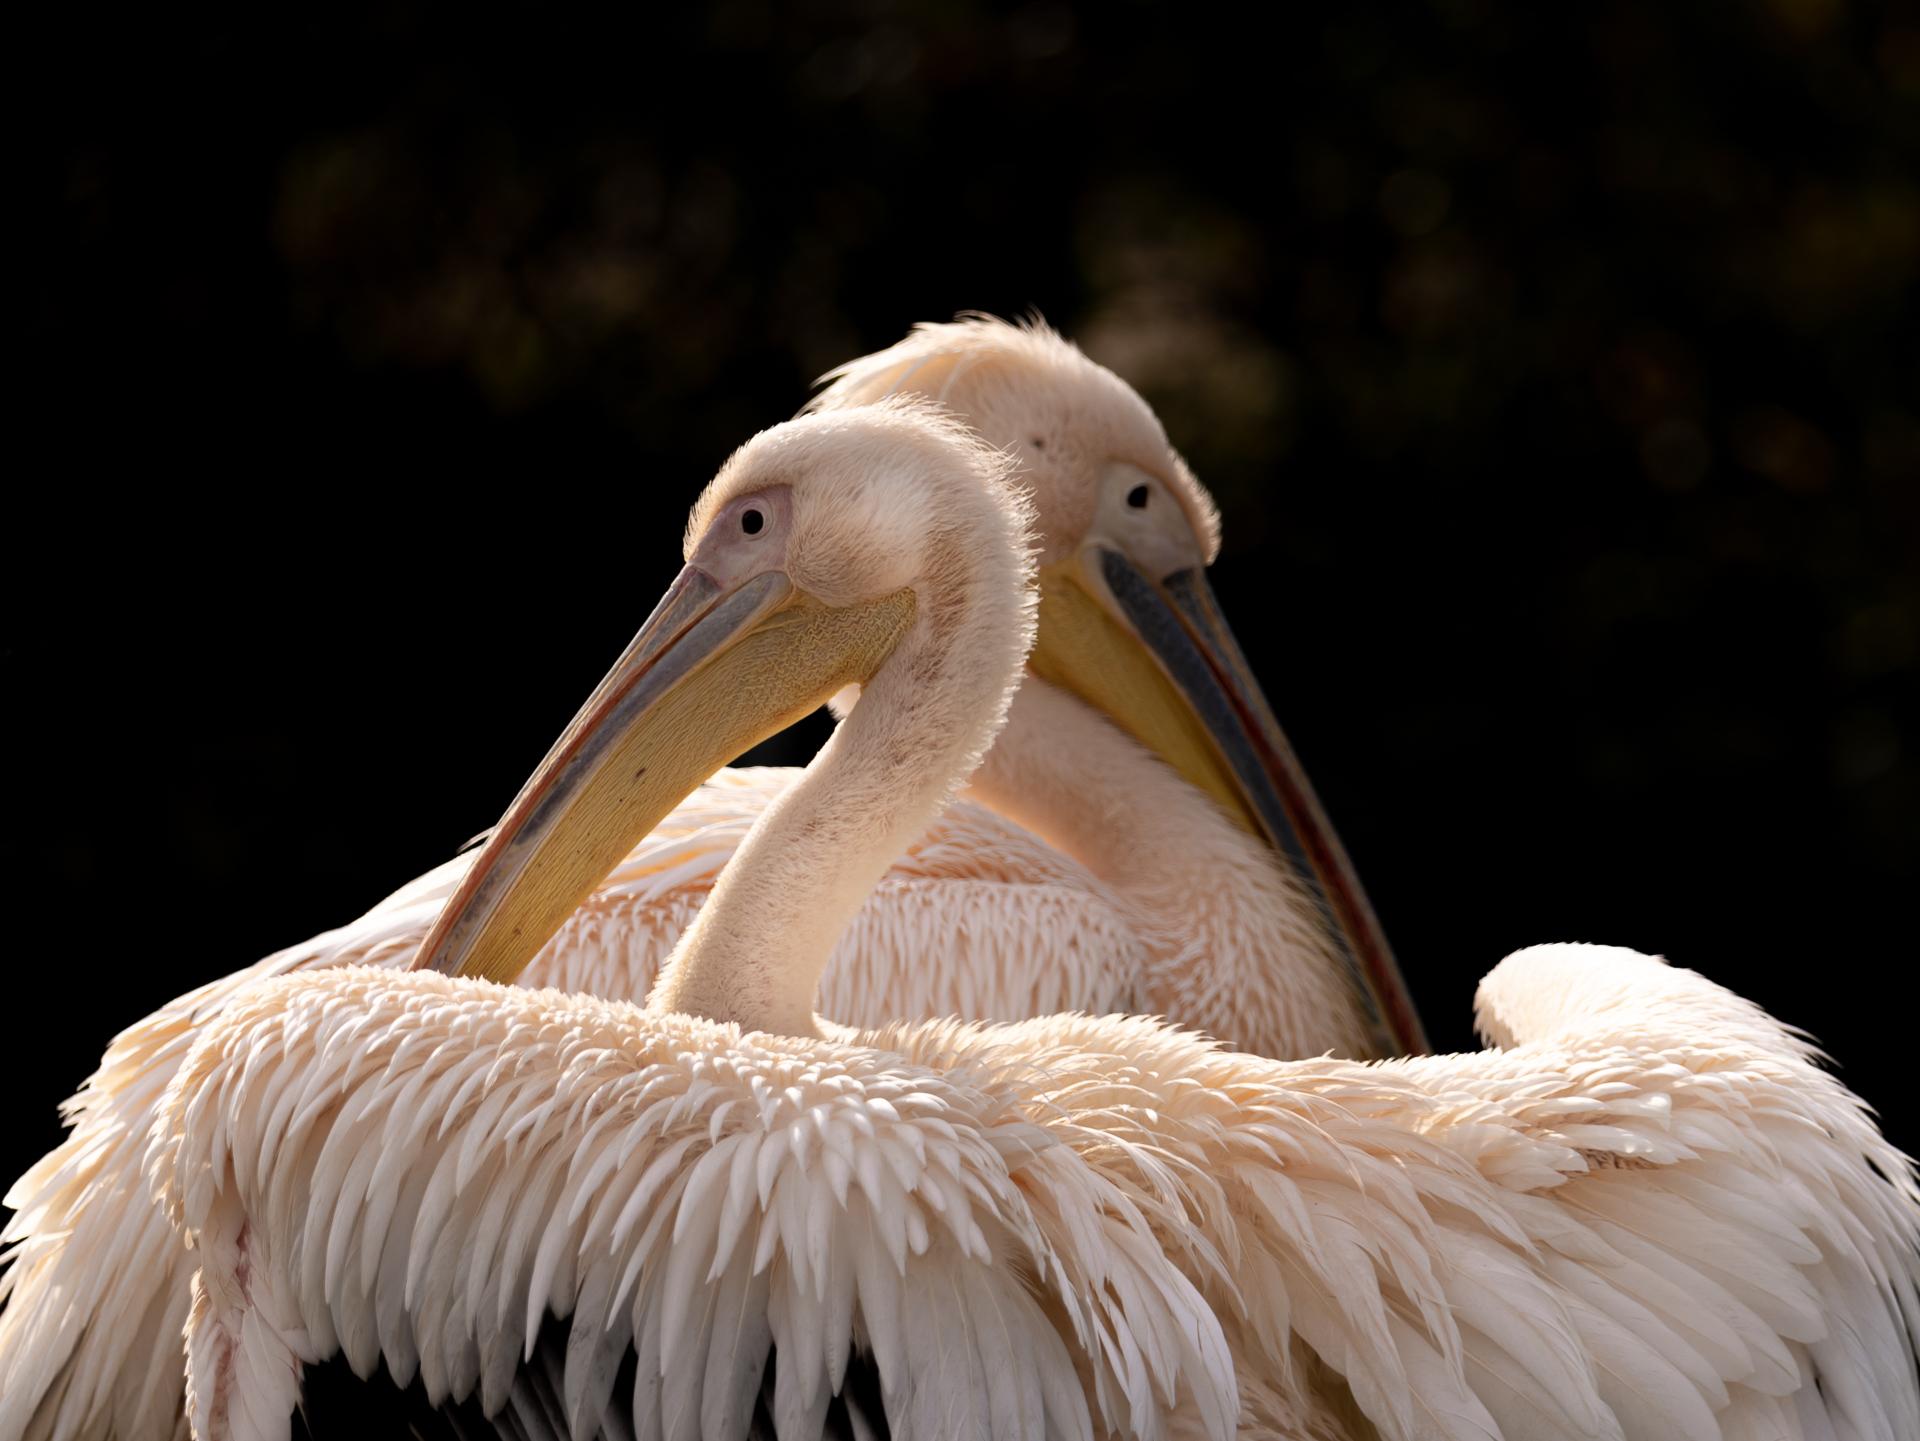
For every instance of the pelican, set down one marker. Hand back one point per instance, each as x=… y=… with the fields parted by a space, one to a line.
x=1139 y=838
x=1645 y=1213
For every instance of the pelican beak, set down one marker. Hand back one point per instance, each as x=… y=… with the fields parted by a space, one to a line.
x=1158 y=658
x=714 y=670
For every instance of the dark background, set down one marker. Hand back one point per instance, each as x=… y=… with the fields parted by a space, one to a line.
x=1554 y=367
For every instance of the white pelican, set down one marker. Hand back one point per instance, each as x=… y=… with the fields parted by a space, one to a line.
x=1647 y=1215
x=1155 y=894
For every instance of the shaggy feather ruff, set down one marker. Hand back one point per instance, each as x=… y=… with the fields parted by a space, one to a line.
x=1652 y=1216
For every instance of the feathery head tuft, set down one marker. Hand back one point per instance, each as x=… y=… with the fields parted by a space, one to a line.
x=1066 y=421
x=879 y=493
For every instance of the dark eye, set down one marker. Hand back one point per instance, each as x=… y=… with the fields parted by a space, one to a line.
x=1137 y=497
x=751 y=521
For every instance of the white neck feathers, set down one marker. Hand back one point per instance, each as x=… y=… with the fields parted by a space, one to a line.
x=1240 y=948
x=756 y=951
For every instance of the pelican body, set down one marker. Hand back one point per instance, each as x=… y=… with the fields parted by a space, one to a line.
x=1645 y=1213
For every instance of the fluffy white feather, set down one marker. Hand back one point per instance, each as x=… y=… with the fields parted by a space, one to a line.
x=1650 y=1216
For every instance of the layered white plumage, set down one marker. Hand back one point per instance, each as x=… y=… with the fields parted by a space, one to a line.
x=1649 y=1216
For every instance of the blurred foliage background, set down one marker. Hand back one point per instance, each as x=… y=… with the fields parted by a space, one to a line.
x=1555 y=368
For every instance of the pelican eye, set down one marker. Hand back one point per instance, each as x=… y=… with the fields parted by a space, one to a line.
x=752 y=521
x=1137 y=497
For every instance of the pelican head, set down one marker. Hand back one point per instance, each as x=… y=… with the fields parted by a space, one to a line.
x=821 y=547
x=1128 y=622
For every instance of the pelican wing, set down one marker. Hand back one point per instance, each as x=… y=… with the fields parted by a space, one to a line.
x=96 y=1290
x=1690 y=1173
x=1650 y=1215
x=458 y=1163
